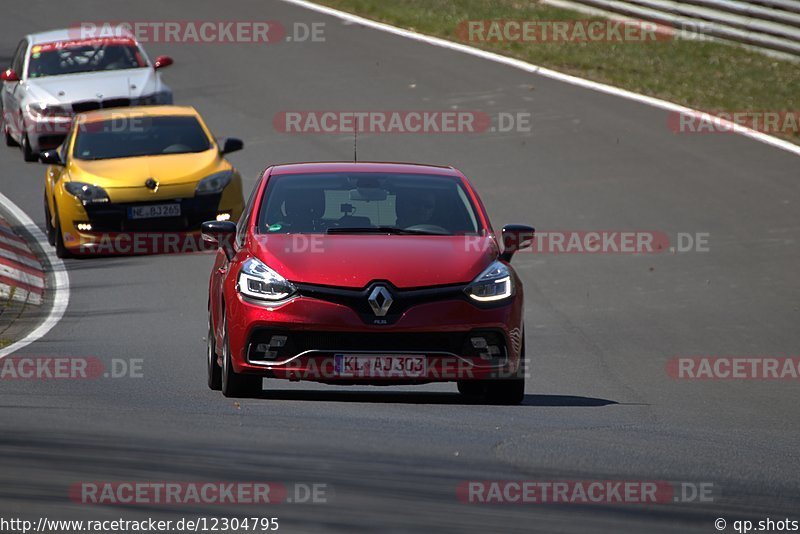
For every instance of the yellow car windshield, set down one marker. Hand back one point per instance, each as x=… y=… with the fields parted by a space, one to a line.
x=128 y=137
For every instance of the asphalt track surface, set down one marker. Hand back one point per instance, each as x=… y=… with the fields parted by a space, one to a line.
x=600 y=328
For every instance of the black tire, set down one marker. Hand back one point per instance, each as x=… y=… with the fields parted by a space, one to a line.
x=506 y=391
x=61 y=250
x=213 y=367
x=9 y=140
x=27 y=154
x=50 y=231
x=470 y=388
x=511 y=391
x=236 y=385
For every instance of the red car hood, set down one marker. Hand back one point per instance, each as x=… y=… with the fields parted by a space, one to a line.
x=355 y=260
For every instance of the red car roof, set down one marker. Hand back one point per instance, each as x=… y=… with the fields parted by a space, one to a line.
x=343 y=166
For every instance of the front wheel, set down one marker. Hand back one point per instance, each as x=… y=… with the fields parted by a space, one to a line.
x=50 y=231
x=6 y=132
x=61 y=249
x=10 y=140
x=214 y=370
x=499 y=391
x=28 y=154
x=470 y=388
x=236 y=385
x=511 y=392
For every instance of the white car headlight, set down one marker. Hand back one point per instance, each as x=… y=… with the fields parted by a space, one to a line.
x=211 y=185
x=41 y=110
x=493 y=284
x=258 y=281
x=86 y=193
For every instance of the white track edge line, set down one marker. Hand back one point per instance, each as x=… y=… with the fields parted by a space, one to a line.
x=555 y=75
x=60 y=278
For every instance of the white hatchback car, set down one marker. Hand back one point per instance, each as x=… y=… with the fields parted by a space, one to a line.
x=55 y=74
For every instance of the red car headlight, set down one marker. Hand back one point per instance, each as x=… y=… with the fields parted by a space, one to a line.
x=495 y=283
x=257 y=281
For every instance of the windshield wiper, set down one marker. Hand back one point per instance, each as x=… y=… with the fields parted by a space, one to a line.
x=378 y=230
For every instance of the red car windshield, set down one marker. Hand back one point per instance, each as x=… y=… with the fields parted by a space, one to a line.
x=73 y=57
x=365 y=203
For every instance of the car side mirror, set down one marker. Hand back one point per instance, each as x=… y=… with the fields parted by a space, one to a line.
x=221 y=234
x=162 y=61
x=231 y=144
x=9 y=75
x=515 y=237
x=51 y=157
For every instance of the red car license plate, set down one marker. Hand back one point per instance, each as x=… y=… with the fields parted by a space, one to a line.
x=380 y=366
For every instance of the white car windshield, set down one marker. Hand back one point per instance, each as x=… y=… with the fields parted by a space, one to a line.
x=73 y=57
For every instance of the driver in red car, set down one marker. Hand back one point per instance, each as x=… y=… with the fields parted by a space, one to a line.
x=413 y=209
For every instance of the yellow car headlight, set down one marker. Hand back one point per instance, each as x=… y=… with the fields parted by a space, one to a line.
x=214 y=184
x=86 y=193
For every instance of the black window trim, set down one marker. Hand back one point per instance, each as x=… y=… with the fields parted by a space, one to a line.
x=18 y=59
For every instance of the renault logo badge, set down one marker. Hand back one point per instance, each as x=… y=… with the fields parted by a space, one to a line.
x=380 y=300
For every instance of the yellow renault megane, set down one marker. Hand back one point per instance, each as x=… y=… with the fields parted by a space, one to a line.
x=151 y=169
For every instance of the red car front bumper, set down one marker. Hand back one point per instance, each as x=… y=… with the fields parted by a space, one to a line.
x=320 y=332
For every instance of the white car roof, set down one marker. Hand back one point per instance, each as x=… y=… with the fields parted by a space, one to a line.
x=66 y=34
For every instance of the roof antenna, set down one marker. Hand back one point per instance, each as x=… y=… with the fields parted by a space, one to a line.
x=355 y=144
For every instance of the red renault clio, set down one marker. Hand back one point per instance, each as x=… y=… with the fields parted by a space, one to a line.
x=366 y=273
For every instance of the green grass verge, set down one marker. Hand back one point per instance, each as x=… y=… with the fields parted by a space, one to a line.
x=704 y=75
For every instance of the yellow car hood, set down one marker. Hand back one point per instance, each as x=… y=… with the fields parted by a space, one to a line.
x=132 y=173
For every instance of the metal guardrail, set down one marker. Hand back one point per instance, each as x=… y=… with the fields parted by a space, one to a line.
x=768 y=24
